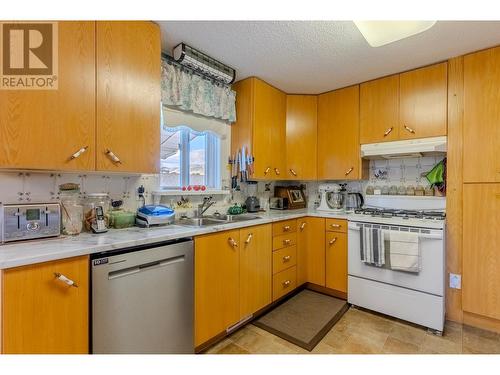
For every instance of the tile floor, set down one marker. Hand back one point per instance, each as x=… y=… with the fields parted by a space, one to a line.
x=359 y=332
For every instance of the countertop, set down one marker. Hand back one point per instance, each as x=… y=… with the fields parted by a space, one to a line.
x=38 y=251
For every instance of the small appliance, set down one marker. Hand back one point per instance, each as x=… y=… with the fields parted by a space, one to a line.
x=354 y=201
x=278 y=203
x=253 y=204
x=332 y=198
x=294 y=194
x=30 y=221
x=151 y=215
x=98 y=223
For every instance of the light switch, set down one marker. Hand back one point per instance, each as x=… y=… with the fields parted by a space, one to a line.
x=455 y=281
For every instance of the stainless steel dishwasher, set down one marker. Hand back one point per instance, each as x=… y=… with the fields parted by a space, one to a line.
x=142 y=299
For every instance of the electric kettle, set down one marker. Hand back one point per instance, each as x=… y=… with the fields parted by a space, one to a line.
x=354 y=201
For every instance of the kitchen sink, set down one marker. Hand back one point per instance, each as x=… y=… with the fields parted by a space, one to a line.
x=214 y=220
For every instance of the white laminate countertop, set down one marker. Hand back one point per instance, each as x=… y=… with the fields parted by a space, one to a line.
x=38 y=251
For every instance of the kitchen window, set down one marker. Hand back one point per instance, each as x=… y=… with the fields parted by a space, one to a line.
x=193 y=150
x=189 y=157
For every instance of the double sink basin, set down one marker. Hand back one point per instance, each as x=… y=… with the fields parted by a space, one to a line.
x=214 y=220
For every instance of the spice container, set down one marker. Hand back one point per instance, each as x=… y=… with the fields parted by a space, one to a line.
x=72 y=210
x=410 y=190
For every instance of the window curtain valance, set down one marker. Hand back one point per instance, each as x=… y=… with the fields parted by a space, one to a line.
x=189 y=92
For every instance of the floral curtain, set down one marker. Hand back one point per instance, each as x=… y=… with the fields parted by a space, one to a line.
x=190 y=92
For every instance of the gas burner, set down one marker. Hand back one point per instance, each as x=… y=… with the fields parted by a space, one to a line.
x=403 y=214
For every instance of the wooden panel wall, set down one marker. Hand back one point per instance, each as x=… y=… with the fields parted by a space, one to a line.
x=454 y=188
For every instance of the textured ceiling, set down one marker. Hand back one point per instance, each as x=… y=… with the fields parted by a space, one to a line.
x=311 y=57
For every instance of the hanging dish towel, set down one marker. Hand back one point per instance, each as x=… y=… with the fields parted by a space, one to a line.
x=372 y=246
x=404 y=250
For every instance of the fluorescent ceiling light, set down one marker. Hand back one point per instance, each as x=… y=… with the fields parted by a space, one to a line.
x=379 y=33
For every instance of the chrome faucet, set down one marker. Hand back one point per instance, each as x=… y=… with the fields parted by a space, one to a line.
x=205 y=205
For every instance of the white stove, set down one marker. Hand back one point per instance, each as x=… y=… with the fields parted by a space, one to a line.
x=417 y=296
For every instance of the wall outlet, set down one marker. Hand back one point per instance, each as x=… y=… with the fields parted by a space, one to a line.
x=455 y=281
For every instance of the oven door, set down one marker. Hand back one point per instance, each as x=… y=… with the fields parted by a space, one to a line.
x=430 y=279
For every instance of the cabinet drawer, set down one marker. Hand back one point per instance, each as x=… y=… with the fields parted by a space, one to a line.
x=284 y=258
x=336 y=225
x=285 y=240
x=284 y=282
x=282 y=227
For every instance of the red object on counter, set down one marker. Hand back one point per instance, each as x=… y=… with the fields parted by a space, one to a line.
x=203 y=188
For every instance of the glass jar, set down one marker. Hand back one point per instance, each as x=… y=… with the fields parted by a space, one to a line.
x=71 y=212
x=91 y=202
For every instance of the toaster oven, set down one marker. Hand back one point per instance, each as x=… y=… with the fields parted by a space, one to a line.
x=30 y=221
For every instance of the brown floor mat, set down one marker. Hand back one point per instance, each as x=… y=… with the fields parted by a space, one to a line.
x=304 y=319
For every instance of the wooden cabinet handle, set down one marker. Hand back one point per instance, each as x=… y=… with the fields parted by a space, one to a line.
x=349 y=171
x=249 y=238
x=286 y=258
x=286 y=283
x=64 y=279
x=335 y=225
x=78 y=153
x=232 y=242
x=303 y=225
x=332 y=241
x=286 y=228
x=277 y=171
x=293 y=172
x=409 y=129
x=286 y=242
x=388 y=131
x=113 y=156
x=267 y=170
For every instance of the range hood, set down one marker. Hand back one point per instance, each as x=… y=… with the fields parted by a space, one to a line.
x=412 y=148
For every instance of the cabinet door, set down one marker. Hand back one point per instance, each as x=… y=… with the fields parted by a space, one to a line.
x=423 y=102
x=481 y=140
x=216 y=280
x=269 y=131
x=481 y=250
x=128 y=96
x=301 y=137
x=336 y=261
x=43 y=315
x=316 y=251
x=303 y=230
x=379 y=110
x=338 y=135
x=255 y=269
x=41 y=129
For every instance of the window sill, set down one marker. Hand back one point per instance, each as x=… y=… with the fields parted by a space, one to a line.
x=192 y=192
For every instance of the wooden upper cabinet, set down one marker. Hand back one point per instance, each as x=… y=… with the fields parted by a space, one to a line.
x=260 y=127
x=255 y=269
x=43 y=315
x=423 y=102
x=481 y=139
x=217 y=278
x=301 y=137
x=41 y=129
x=481 y=252
x=338 y=135
x=379 y=110
x=128 y=96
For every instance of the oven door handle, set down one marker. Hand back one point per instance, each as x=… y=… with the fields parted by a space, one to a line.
x=422 y=236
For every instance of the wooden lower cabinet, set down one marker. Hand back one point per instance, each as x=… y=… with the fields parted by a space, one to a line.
x=232 y=278
x=316 y=251
x=284 y=282
x=336 y=261
x=303 y=230
x=43 y=315
x=481 y=249
x=255 y=269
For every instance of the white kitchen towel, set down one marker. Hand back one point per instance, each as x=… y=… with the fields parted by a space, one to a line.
x=404 y=250
x=372 y=246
